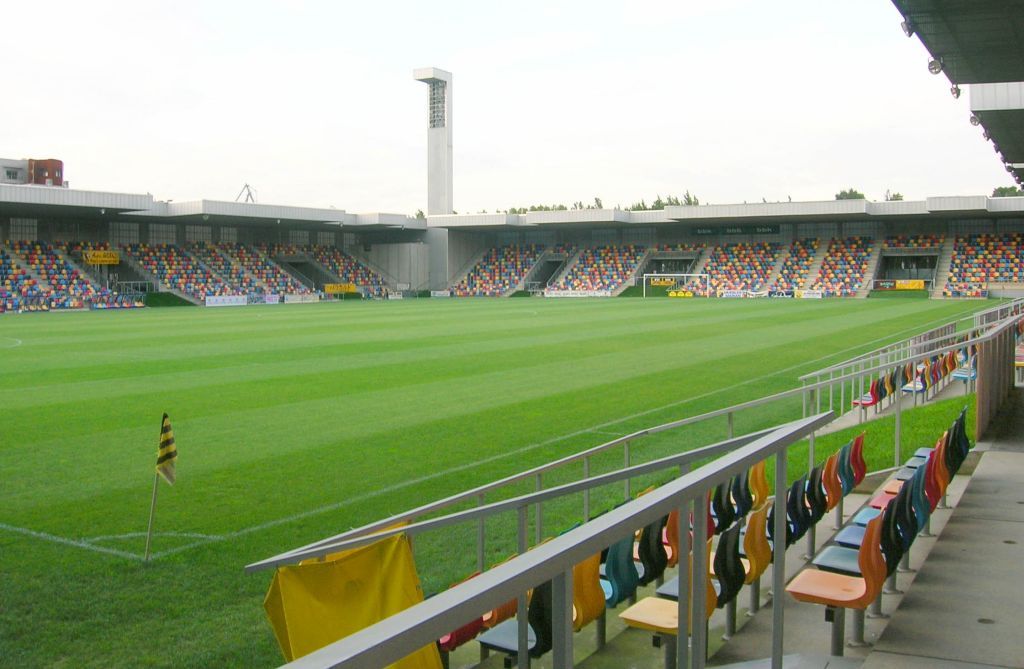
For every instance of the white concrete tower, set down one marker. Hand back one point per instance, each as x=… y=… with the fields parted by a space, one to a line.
x=439 y=139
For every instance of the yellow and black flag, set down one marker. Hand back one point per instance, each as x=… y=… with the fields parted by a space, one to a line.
x=167 y=453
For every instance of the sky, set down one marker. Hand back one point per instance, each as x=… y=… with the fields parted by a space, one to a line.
x=312 y=103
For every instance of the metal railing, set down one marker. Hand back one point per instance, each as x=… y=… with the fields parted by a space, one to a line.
x=403 y=633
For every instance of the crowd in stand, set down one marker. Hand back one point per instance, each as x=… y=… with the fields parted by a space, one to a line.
x=500 y=270
x=842 y=271
x=980 y=260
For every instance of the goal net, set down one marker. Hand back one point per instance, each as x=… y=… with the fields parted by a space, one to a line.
x=667 y=283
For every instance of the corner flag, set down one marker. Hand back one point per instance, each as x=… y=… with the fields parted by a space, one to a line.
x=166 y=453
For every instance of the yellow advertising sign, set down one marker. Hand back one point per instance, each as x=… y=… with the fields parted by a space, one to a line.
x=663 y=282
x=338 y=288
x=680 y=293
x=909 y=284
x=101 y=257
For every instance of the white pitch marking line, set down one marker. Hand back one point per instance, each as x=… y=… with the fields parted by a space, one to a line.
x=16 y=344
x=133 y=535
x=69 y=542
x=500 y=456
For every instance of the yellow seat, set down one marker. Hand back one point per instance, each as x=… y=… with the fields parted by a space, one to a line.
x=587 y=594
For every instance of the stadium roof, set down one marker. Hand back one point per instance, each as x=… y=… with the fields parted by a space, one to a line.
x=26 y=200
x=976 y=206
x=976 y=41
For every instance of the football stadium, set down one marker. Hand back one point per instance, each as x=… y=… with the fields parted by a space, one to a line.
x=239 y=434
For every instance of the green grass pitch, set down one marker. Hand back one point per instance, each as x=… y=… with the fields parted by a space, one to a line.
x=296 y=422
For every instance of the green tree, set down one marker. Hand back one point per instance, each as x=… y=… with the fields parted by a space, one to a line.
x=419 y=214
x=849 y=194
x=598 y=204
x=893 y=196
x=1007 y=191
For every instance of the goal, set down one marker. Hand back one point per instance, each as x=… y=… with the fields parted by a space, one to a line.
x=699 y=283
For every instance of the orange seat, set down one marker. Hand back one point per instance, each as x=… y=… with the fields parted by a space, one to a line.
x=848 y=592
x=892 y=487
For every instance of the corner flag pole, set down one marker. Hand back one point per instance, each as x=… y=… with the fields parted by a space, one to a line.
x=166 y=455
x=152 y=513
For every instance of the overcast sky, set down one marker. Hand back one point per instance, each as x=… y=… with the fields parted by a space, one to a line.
x=313 y=103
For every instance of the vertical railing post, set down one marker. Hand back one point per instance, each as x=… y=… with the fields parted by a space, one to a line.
x=698 y=620
x=538 y=509
x=899 y=430
x=625 y=457
x=522 y=607
x=586 y=493
x=779 y=560
x=811 y=538
x=561 y=620
x=729 y=420
x=686 y=581
x=481 y=530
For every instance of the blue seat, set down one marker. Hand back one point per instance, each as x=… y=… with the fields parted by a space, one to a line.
x=850 y=536
x=923 y=452
x=905 y=474
x=670 y=589
x=838 y=560
x=865 y=516
x=916 y=461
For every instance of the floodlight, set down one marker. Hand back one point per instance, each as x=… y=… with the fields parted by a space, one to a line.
x=975 y=121
x=985 y=136
x=908 y=28
x=935 y=65
x=955 y=92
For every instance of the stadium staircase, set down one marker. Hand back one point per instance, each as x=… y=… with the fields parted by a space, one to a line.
x=287 y=261
x=869 y=273
x=815 y=268
x=942 y=267
x=631 y=279
x=570 y=262
x=389 y=279
x=133 y=263
x=780 y=260
x=468 y=266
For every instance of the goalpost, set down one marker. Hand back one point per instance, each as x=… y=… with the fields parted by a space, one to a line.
x=676 y=280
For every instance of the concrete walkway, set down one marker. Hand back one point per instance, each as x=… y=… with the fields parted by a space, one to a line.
x=965 y=607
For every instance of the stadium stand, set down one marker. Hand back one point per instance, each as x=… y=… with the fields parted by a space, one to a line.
x=499 y=271
x=177 y=270
x=60 y=284
x=797 y=264
x=741 y=266
x=18 y=290
x=602 y=268
x=842 y=271
x=254 y=262
x=232 y=272
x=686 y=247
x=346 y=268
x=984 y=259
x=914 y=241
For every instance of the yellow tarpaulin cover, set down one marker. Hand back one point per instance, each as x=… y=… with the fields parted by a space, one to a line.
x=316 y=603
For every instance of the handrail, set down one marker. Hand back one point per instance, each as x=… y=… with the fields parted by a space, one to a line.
x=475 y=493
x=514 y=503
x=397 y=636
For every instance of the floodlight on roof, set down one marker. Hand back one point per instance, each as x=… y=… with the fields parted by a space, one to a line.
x=908 y=28
x=955 y=92
x=935 y=65
x=975 y=121
x=985 y=136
